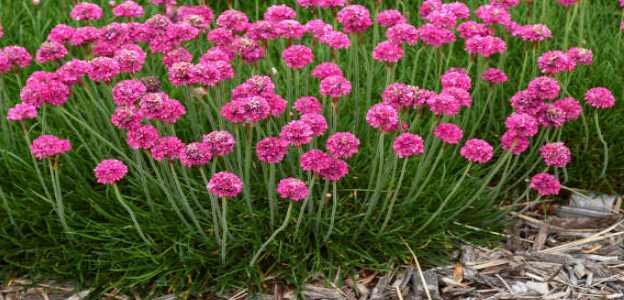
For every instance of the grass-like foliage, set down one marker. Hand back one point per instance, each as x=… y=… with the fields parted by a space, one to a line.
x=394 y=163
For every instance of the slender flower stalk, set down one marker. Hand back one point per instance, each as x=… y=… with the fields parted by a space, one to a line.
x=272 y=237
x=332 y=219
x=59 y=206
x=605 y=146
x=132 y=215
x=395 y=196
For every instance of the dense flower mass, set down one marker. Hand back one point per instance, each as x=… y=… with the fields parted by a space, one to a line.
x=225 y=184
x=477 y=151
x=448 y=133
x=408 y=144
x=556 y=154
x=49 y=146
x=110 y=171
x=343 y=145
x=292 y=189
x=545 y=184
x=383 y=117
x=600 y=97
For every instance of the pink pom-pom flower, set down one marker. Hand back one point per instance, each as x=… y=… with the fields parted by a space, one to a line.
x=477 y=151
x=225 y=184
x=342 y=144
x=494 y=76
x=297 y=56
x=297 y=133
x=408 y=144
x=86 y=11
x=271 y=150
x=449 y=133
x=220 y=142
x=292 y=189
x=22 y=111
x=556 y=154
x=383 y=117
x=49 y=146
x=545 y=184
x=110 y=171
x=335 y=86
x=600 y=97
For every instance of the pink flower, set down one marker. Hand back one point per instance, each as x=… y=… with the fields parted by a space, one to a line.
x=443 y=17
x=261 y=30
x=335 y=86
x=515 y=143
x=177 y=55
x=330 y=3
x=390 y=17
x=297 y=56
x=444 y=104
x=334 y=169
x=277 y=105
x=17 y=56
x=172 y=111
x=49 y=146
x=600 y=97
x=485 y=46
x=109 y=171
x=456 y=77
x=22 y=111
x=493 y=14
x=50 y=51
x=570 y=107
x=292 y=189
x=143 y=137
x=86 y=11
x=522 y=124
x=335 y=39
x=103 y=69
x=152 y=105
x=388 y=52
x=297 y=133
x=276 y=13
x=233 y=20
x=249 y=50
x=325 y=70
x=526 y=102
x=220 y=142
x=72 y=71
x=126 y=117
x=205 y=74
x=290 y=29
x=403 y=33
x=448 y=133
x=342 y=145
x=308 y=104
x=43 y=87
x=556 y=154
x=477 y=151
x=422 y=96
x=545 y=184
x=257 y=85
x=567 y=2
x=128 y=9
x=198 y=16
x=505 y=3
x=462 y=96
x=581 y=55
x=250 y=109
x=225 y=184
x=217 y=54
x=494 y=76
x=544 y=88
x=354 y=18
x=553 y=62
x=383 y=117
x=318 y=28
x=317 y=123
x=428 y=6
x=408 y=144
x=314 y=160
x=470 y=29
x=130 y=58
x=221 y=37
x=435 y=36
x=550 y=115
x=195 y=154
x=83 y=35
x=127 y=92
x=533 y=33
x=166 y=148
x=400 y=95
x=180 y=73
x=271 y=150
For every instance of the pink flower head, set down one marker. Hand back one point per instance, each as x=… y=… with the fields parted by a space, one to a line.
x=276 y=13
x=314 y=160
x=72 y=71
x=477 y=151
x=292 y=189
x=217 y=54
x=290 y=29
x=277 y=105
x=271 y=150
x=335 y=40
x=505 y=3
x=400 y=95
x=462 y=96
x=49 y=146
x=567 y=2
x=317 y=123
x=600 y=97
x=205 y=74
x=221 y=36
x=172 y=110
x=22 y=111
x=335 y=86
x=390 y=17
x=388 y=52
x=250 y=109
x=533 y=33
x=443 y=17
x=5 y=64
x=180 y=74
x=435 y=36
x=570 y=106
x=167 y=148
x=130 y=58
x=195 y=154
x=422 y=96
x=255 y=86
x=261 y=30
x=494 y=76
x=16 y=56
x=83 y=35
x=428 y=6
x=449 y=133
x=408 y=144
x=544 y=88
x=308 y=104
x=298 y=56
x=103 y=69
x=354 y=18
x=86 y=11
x=330 y=3
x=128 y=9
x=297 y=133
x=44 y=87
x=318 y=28
x=470 y=29
x=233 y=20
x=334 y=169
x=126 y=117
x=342 y=144
x=550 y=115
x=127 y=92
x=525 y=101
x=225 y=184
x=325 y=70
x=581 y=55
x=522 y=124
x=456 y=77
x=444 y=104
x=403 y=33
x=249 y=50
x=515 y=143
x=493 y=14
x=383 y=117
x=198 y=16
x=556 y=154
x=143 y=137
x=177 y=55
x=220 y=142
x=545 y=184
x=50 y=51
x=109 y=171
x=553 y=62
x=485 y=46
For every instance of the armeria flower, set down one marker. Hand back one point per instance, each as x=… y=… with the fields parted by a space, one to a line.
x=217 y=54
x=408 y=144
x=314 y=160
x=127 y=92
x=195 y=154
x=249 y=50
x=512 y=141
x=567 y=2
x=17 y=56
x=485 y=46
x=383 y=117
x=152 y=105
x=462 y=96
x=428 y=6
x=292 y=189
x=261 y=31
x=198 y=16
x=271 y=150
x=435 y=36
x=276 y=13
x=180 y=73
x=570 y=106
x=84 y=35
x=422 y=96
x=72 y=71
x=225 y=184
x=203 y=74
x=317 y=123
x=318 y=28
x=493 y=14
x=444 y=104
x=49 y=146
x=354 y=18
x=456 y=77
x=330 y=3
x=326 y=69
x=388 y=52
x=5 y=64
x=553 y=62
x=505 y=3
x=22 y=111
x=470 y=29
x=533 y=33
x=335 y=39
x=449 y=133
x=525 y=101
x=257 y=85
x=342 y=144
x=400 y=95
x=477 y=151
x=522 y=124
x=233 y=20
x=128 y=9
x=110 y=171
x=50 y=51
x=250 y=109
x=277 y=105
x=442 y=17
x=290 y=29
x=544 y=88
x=86 y=11
x=308 y=104
x=551 y=116
x=545 y=184
x=220 y=142
x=297 y=133
x=494 y=76
x=166 y=148
x=43 y=87
x=403 y=33
x=334 y=170
x=600 y=97
x=130 y=58
x=298 y=56
x=556 y=154
x=126 y=117
x=103 y=69
x=581 y=55
x=172 y=111
x=221 y=37
x=143 y=137
x=335 y=86
x=177 y=55
x=390 y=17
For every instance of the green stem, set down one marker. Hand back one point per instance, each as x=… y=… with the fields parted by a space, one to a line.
x=272 y=237
x=333 y=212
x=394 y=197
x=224 y=225
x=605 y=146
x=304 y=205
x=131 y=213
x=185 y=203
x=214 y=208
x=59 y=206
